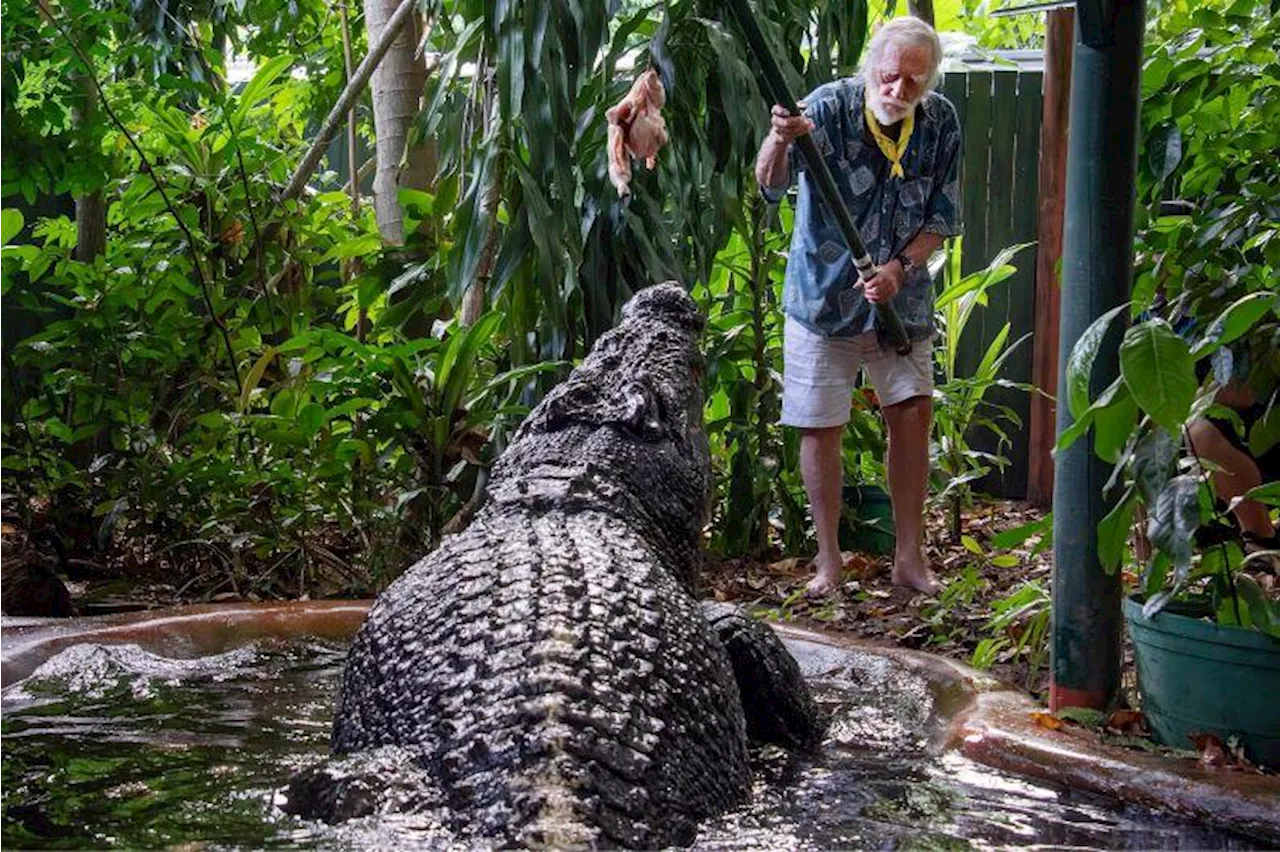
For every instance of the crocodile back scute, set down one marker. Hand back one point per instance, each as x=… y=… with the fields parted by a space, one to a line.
x=557 y=680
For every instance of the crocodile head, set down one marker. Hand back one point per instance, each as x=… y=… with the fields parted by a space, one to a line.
x=624 y=432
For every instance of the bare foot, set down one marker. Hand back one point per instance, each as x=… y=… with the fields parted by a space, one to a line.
x=825 y=581
x=910 y=569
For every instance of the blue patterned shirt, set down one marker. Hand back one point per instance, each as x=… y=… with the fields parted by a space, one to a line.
x=888 y=211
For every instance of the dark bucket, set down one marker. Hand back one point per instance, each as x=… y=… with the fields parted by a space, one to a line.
x=866 y=520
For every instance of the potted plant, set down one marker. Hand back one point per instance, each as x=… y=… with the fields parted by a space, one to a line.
x=1206 y=635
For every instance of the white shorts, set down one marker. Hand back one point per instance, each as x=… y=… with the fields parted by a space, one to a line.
x=819 y=374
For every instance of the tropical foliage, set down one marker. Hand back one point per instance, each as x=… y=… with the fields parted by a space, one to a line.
x=961 y=409
x=264 y=392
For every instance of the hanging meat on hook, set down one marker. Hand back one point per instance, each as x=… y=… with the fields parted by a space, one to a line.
x=636 y=129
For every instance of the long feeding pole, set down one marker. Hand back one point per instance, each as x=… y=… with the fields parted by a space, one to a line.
x=895 y=333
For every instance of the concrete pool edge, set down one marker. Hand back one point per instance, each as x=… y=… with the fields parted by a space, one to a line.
x=994 y=726
x=974 y=714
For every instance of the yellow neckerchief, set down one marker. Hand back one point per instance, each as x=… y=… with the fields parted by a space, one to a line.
x=893 y=151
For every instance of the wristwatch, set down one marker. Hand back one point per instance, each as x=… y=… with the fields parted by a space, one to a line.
x=907 y=263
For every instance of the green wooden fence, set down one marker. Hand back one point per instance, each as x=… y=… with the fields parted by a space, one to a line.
x=999 y=110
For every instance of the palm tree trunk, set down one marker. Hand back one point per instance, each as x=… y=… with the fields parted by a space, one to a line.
x=397 y=84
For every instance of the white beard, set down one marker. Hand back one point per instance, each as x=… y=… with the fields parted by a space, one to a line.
x=886 y=114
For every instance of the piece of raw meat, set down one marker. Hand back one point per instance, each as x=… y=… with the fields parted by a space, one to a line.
x=636 y=129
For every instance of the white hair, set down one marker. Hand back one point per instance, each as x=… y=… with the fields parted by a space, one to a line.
x=904 y=31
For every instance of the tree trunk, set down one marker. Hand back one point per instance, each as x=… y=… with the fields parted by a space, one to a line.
x=1058 y=46
x=397 y=84
x=922 y=9
x=377 y=51
x=91 y=208
x=91 y=226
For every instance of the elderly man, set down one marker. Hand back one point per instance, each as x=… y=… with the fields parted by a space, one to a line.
x=893 y=145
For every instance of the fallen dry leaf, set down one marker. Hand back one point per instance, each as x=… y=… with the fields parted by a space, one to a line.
x=790 y=567
x=1213 y=752
x=862 y=566
x=1047 y=720
x=1127 y=723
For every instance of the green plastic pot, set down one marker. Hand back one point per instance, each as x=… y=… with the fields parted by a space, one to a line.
x=1195 y=676
x=866 y=522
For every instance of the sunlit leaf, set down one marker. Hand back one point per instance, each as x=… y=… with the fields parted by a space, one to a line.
x=11 y=222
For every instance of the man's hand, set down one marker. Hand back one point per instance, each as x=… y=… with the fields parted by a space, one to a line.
x=771 y=162
x=787 y=127
x=885 y=284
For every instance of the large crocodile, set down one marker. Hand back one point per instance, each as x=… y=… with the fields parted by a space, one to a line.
x=546 y=677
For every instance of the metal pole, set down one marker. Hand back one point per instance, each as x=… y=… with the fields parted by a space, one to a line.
x=1097 y=274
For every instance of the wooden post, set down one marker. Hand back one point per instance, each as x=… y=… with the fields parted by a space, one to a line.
x=1053 y=181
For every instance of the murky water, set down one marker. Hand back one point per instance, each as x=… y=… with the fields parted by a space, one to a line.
x=112 y=746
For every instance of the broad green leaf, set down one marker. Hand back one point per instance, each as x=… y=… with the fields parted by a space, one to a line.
x=1080 y=362
x=1017 y=535
x=1153 y=580
x=1175 y=518
x=423 y=202
x=25 y=253
x=1113 y=532
x=1157 y=366
x=1268 y=492
x=311 y=418
x=1164 y=150
x=1155 y=72
x=458 y=364
x=284 y=403
x=11 y=222
x=1234 y=322
x=1113 y=425
x=1082 y=423
x=1153 y=460
x=1264 y=613
x=359 y=246
x=971 y=545
x=1265 y=432
x=212 y=420
x=58 y=429
x=1075 y=431
x=352 y=448
x=513 y=375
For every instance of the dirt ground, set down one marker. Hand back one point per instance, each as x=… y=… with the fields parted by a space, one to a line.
x=993 y=611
